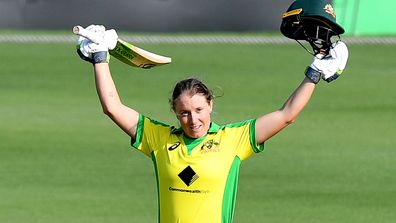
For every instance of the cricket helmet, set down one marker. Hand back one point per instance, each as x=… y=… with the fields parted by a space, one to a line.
x=311 y=20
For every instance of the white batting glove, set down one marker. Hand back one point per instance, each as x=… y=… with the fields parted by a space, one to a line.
x=97 y=52
x=329 y=68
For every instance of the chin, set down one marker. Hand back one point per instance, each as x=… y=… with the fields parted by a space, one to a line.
x=196 y=135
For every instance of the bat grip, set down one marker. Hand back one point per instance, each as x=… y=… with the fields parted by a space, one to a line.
x=80 y=31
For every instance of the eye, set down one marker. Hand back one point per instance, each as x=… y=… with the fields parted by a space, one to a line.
x=183 y=114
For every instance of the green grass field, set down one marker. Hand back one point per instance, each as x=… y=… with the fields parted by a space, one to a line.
x=62 y=160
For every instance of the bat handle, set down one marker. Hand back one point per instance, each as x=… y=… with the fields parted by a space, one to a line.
x=81 y=31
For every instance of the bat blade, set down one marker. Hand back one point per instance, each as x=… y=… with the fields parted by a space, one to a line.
x=126 y=52
x=137 y=57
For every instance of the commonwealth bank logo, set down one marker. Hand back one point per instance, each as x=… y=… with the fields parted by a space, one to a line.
x=188 y=176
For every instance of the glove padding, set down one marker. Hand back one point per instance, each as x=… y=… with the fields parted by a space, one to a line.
x=330 y=67
x=97 y=52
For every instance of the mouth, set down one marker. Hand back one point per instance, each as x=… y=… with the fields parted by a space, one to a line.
x=195 y=128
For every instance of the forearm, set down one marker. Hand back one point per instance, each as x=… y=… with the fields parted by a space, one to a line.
x=270 y=124
x=126 y=118
x=106 y=88
x=298 y=100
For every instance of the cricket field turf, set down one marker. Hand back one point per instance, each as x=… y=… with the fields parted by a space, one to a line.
x=62 y=160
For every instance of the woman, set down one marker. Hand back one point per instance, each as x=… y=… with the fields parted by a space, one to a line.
x=197 y=164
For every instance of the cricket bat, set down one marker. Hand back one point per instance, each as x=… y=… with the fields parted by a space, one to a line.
x=126 y=52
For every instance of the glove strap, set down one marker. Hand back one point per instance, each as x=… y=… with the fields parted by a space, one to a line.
x=100 y=57
x=313 y=74
x=332 y=78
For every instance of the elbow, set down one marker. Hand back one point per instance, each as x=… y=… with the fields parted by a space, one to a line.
x=112 y=109
x=289 y=119
x=108 y=111
x=288 y=116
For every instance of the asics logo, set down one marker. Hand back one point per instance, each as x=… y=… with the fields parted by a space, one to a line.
x=174 y=146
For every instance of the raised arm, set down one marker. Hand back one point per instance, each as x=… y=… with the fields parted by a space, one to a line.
x=126 y=118
x=97 y=54
x=328 y=68
x=270 y=124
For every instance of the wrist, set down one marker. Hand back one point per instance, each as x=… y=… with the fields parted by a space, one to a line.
x=100 y=57
x=313 y=75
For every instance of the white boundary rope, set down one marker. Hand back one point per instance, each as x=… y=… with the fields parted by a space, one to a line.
x=186 y=39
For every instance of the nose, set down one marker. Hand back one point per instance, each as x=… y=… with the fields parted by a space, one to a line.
x=193 y=117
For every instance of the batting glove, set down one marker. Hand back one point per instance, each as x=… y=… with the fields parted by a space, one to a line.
x=330 y=67
x=97 y=52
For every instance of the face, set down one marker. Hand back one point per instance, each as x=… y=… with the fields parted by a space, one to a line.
x=193 y=113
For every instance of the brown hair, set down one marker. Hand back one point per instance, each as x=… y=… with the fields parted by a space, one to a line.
x=193 y=86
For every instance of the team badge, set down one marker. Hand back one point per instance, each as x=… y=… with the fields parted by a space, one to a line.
x=329 y=10
x=209 y=144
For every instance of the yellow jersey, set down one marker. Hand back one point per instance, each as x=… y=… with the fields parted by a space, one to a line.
x=196 y=178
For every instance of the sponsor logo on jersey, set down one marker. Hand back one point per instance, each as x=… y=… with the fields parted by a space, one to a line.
x=188 y=176
x=174 y=146
x=195 y=191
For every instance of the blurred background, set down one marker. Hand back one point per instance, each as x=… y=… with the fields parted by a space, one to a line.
x=357 y=16
x=62 y=160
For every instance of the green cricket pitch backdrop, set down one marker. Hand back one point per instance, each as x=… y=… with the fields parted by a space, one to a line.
x=62 y=160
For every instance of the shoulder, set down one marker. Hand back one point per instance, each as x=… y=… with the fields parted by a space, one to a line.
x=151 y=133
x=235 y=126
x=149 y=125
x=240 y=124
x=234 y=130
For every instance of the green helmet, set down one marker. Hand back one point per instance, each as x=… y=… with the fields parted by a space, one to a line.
x=311 y=20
